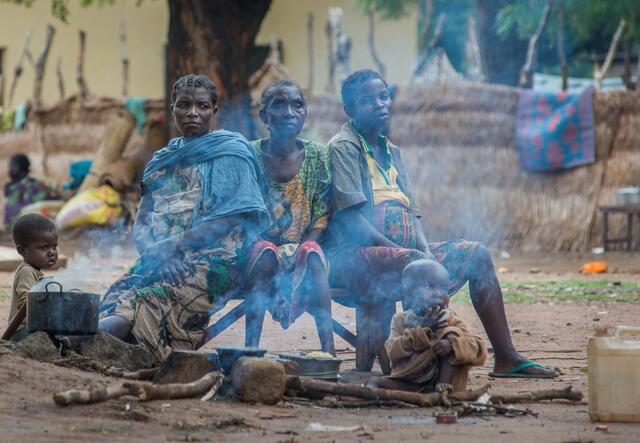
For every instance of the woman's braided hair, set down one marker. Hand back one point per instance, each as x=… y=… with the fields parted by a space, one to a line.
x=194 y=81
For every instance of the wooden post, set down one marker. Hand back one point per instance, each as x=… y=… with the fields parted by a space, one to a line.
x=601 y=71
x=626 y=76
x=2 y=76
x=372 y=43
x=310 y=55
x=341 y=43
x=526 y=74
x=60 y=78
x=562 y=56
x=331 y=85
x=424 y=56
x=82 y=84
x=124 y=56
x=475 y=66
x=17 y=70
x=425 y=11
x=40 y=66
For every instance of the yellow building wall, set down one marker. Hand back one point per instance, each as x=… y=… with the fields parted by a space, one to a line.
x=146 y=37
x=396 y=41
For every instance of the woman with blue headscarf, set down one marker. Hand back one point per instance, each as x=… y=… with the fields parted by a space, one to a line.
x=201 y=208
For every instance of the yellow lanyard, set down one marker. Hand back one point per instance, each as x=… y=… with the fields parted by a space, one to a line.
x=370 y=153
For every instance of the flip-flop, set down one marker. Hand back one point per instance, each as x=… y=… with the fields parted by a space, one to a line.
x=515 y=372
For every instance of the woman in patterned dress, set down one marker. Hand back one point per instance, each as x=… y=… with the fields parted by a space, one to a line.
x=201 y=206
x=287 y=270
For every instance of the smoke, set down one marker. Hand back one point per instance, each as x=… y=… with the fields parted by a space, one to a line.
x=101 y=258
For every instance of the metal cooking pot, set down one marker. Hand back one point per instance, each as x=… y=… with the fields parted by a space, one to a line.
x=55 y=311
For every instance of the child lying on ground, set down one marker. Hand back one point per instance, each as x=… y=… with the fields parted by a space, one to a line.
x=36 y=240
x=429 y=347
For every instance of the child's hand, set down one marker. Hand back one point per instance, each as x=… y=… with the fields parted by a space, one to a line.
x=442 y=348
x=412 y=320
x=434 y=319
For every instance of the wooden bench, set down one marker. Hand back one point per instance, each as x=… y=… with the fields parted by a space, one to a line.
x=373 y=321
x=631 y=211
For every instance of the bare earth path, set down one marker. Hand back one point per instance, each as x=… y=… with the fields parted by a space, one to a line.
x=27 y=412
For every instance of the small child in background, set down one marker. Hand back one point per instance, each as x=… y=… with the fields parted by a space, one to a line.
x=22 y=190
x=36 y=240
x=429 y=348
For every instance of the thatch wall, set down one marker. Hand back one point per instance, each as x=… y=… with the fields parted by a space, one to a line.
x=72 y=130
x=458 y=141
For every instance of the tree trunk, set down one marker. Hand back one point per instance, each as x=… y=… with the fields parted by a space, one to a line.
x=503 y=57
x=216 y=39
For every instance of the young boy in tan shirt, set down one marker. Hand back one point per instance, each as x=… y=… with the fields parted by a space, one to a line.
x=36 y=240
x=429 y=348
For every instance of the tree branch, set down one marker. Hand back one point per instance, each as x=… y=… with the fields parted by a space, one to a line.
x=60 y=78
x=424 y=56
x=310 y=55
x=562 y=56
x=17 y=70
x=532 y=50
x=41 y=64
x=124 y=56
x=372 y=43
x=144 y=391
x=315 y=388
x=426 y=12
x=601 y=71
x=82 y=84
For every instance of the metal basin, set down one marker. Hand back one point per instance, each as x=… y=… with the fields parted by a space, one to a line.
x=628 y=196
x=327 y=369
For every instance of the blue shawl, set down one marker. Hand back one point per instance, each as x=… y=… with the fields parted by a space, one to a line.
x=181 y=152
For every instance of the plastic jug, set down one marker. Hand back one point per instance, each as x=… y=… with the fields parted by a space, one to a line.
x=614 y=376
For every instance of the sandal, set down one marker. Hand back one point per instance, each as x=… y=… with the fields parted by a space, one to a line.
x=515 y=372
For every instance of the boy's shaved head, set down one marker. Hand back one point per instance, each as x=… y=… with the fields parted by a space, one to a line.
x=427 y=271
x=424 y=285
x=29 y=226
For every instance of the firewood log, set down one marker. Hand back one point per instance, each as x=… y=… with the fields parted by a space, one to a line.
x=306 y=387
x=144 y=391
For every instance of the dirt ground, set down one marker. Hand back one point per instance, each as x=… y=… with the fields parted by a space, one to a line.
x=552 y=332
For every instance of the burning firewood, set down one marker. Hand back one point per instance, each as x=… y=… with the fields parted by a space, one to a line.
x=144 y=391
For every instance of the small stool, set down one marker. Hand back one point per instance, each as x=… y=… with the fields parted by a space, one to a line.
x=630 y=211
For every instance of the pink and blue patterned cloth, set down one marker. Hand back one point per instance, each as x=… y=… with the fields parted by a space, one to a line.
x=555 y=131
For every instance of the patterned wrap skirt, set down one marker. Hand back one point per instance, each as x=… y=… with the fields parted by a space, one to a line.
x=166 y=316
x=361 y=269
